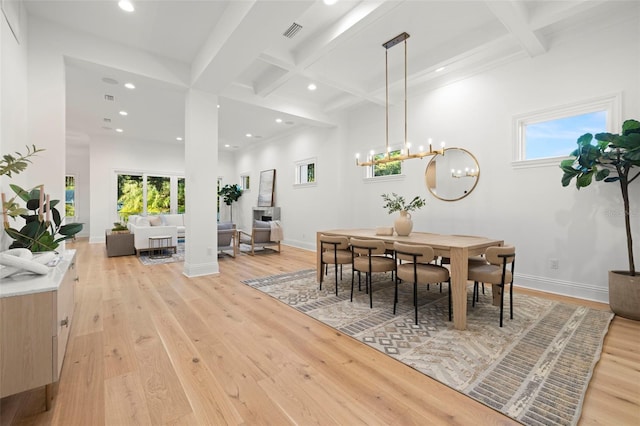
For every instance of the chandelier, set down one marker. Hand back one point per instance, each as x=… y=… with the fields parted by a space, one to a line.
x=405 y=151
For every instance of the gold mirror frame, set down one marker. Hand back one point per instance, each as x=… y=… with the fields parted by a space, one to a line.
x=449 y=177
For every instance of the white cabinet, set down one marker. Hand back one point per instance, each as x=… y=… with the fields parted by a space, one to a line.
x=36 y=313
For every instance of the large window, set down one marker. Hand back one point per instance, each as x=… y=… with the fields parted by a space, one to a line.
x=149 y=194
x=70 y=196
x=544 y=136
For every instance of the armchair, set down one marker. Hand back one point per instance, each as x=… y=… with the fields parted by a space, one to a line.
x=263 y=234
x=227 y=238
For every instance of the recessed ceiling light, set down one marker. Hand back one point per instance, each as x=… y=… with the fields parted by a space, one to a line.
x=227 y=145
x=119 y=130
x=124 y=113
x=312 y=86
x=109 y=80
x=248 y=135
x=130 y=85
x=330 y=2
x=278 y=120
x=126 y=5
x=218 y=105
x=440 y=69
x=178 y=138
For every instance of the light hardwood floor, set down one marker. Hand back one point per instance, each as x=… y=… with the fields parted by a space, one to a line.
x=150 y=346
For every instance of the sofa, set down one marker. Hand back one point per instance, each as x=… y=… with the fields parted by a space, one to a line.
x=143 y=227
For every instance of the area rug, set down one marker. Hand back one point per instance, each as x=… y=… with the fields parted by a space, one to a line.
x=178 y=256
x=535 y=369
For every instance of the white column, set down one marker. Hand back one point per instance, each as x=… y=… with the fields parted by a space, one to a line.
x=201 y=173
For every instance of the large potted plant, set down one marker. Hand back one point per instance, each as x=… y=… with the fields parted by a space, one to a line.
x=230 y=194
x=612 y=158
x=396 y=203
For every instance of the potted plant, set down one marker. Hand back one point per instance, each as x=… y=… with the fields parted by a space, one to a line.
x=230 y=194
x=396 y=203
x=613 y=158
x=43 y=229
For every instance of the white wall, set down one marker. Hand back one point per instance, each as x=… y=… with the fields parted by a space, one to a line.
x=13 y=108
x=526 y=207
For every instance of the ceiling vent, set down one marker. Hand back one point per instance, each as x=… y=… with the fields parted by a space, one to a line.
x=109 y=98
x=292 y=30
x=106 y=120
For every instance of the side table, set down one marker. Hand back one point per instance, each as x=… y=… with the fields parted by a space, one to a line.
x=159 y=247
x=119 y=243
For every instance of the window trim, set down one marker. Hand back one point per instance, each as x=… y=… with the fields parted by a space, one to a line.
x=611 y=103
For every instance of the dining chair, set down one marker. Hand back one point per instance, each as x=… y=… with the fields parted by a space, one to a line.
x=369 y=256
x=418 y=269
x=335 y=251
x=497 y=271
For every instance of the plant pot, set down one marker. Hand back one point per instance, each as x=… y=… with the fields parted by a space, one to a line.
x=624 y=294
x=403 y=224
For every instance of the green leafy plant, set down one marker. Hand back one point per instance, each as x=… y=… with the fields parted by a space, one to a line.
x=10 y=164
x=230 y=194
x=396 y=203
x=118 y=227
x=613 y=158
x=38 y=234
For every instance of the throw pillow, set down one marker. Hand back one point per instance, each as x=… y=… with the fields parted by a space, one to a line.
x=155 y=221
x=142 y=221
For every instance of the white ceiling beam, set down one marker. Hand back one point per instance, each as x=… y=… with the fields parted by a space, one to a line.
x=318 y=46
x=547 y=13
x=513 y=15
x=248 y=27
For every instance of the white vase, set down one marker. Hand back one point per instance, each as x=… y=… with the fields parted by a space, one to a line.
x=403 y=224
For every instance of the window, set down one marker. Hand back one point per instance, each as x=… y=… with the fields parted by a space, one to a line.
x=305 y=173
x=149 y=194
x=245 y=182
x=181 y=200
x=386 y=169
x=70 y=196
x=543 y=137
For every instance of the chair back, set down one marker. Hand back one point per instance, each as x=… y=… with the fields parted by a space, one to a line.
x=496 y=255
x=365 y=247
x=334 y=241
x=413 y=252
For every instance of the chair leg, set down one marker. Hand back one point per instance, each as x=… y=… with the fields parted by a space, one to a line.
x=395 y=296
x=322 y=268
x=511 y=300
x=415 y=300
x=449 y=282
x=475 y=293
x=501 y=303
x=370 y=286
x=352 y=280
x=336 y=271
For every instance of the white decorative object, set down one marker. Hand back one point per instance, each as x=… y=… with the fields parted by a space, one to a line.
x=18 y=260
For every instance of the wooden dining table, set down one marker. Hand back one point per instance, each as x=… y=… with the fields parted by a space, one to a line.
x=458 y=248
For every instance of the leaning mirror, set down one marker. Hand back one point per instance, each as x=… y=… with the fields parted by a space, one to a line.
x=452 y=176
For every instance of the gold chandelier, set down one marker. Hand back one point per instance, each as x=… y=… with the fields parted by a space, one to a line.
x=405 y=152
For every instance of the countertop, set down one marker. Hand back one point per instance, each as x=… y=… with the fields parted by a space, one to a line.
x=28 y=283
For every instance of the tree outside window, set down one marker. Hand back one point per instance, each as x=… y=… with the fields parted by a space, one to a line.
x=387 y=169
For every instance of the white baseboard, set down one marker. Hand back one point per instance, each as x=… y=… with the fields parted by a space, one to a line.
x=564 y=288
x=198 y=270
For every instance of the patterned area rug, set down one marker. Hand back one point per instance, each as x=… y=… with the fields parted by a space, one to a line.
x=535 y=369
x=178 y=256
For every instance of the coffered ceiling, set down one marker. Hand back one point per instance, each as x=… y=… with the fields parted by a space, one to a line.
x=237 y=50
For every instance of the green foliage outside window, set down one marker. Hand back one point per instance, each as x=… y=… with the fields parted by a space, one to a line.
x=129 y=195
x=158 y=194
x=387 y=169
x=311 y=172
x=70 y=196
x=181 y=199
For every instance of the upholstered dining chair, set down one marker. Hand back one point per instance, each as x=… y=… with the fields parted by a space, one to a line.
x=498 y=270
x=369 y=256
x=335 y=251
x=418 y=270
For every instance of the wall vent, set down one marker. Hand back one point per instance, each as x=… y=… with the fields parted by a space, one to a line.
x=109 y=98
x=292 y=30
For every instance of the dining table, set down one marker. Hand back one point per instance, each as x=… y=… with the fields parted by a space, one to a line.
x=458 y=248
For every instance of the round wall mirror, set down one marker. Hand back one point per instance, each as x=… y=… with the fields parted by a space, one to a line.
x=452 y=176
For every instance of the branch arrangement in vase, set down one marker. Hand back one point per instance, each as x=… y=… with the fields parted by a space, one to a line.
x=397 y=203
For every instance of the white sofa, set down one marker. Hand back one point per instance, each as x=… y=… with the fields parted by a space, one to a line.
x=143 y=227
